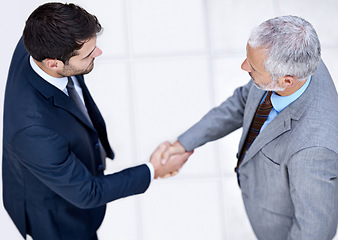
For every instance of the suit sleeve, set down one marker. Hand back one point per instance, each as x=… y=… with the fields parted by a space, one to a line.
x=314 y=191
x=47 y=155
x=218 y=122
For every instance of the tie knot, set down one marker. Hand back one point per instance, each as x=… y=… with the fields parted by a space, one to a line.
x=70 y=83
x=268 y=97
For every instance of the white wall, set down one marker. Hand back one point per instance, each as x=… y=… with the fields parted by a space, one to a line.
x=165 y=63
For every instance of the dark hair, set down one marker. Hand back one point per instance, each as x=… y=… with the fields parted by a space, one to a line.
x=57 y=30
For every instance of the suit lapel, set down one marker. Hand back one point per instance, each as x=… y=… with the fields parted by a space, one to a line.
x=69 y=105
x=96 y=117
x=253 y=101
x=93 y=111
x=278 y=126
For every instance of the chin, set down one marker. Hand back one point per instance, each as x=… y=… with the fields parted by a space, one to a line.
x=89 y=69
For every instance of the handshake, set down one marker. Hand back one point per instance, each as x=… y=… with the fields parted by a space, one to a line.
x=168 y=158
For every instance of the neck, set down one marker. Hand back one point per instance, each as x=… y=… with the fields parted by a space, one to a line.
x=294 y=88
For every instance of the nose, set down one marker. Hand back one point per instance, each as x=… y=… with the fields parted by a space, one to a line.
x=97 y=52
x=245 y=66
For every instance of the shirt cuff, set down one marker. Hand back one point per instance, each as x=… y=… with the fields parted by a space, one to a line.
x=152 y=170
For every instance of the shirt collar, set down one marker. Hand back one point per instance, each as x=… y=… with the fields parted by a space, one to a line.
x=59 y=83
x=281 y=102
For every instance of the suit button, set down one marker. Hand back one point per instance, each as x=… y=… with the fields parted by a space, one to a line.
x=97 y=145
x=100 y=167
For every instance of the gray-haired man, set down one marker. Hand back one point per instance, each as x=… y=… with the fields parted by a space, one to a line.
x=288 y=173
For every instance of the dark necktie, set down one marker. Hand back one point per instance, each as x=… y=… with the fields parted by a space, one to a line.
x=261 y=115
x=76 y=98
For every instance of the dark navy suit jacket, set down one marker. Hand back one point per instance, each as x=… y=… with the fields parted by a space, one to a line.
x=53 y=181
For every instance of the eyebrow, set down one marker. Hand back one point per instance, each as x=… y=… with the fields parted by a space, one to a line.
x=90 y=53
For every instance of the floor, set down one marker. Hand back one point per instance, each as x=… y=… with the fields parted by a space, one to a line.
x=165 y=63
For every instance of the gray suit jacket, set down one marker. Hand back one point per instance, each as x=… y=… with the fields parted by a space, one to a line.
x=289 y=175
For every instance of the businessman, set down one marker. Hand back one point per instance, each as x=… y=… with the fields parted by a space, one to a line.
x=288 y=154
x=55 y=140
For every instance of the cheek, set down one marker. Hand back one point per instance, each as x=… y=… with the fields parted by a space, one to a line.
x=89 y=61
x=259 y=79
x=83 y=64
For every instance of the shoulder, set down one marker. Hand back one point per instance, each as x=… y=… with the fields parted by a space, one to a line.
x=20 y=50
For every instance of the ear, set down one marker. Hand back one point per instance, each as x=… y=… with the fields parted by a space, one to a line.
x=288 y=81
x=53 y=64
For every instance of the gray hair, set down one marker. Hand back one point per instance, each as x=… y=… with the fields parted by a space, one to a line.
x=291 y=46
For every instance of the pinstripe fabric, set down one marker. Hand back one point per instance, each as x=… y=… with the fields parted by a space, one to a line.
x=261 y=115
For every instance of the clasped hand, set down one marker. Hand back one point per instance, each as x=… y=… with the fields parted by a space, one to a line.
x=168 y=158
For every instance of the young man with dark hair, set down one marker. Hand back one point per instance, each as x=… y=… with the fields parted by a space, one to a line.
x=54 y=139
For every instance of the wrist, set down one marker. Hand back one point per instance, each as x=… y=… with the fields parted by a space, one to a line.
x=151 y=170
x=179 y=147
